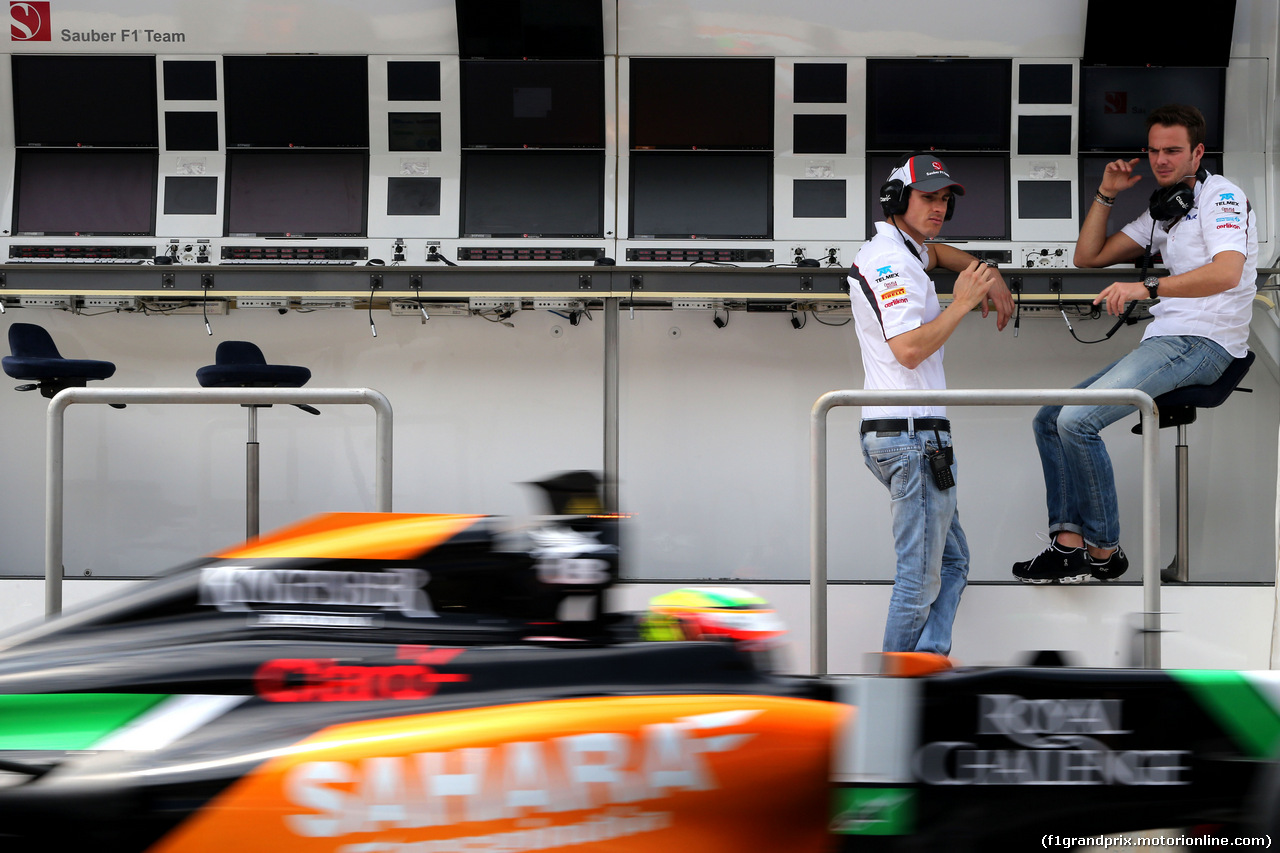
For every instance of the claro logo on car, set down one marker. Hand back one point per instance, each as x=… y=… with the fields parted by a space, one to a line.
x=326 y=680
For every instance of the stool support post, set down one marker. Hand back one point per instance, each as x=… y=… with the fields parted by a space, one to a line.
x=252 y=478
x=1180 y=568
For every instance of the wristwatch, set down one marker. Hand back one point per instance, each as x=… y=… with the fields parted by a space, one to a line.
x=1153 y=286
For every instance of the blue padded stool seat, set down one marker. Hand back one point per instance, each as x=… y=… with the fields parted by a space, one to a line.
x=35 y=357
x=241 y=364
x=1178 y=407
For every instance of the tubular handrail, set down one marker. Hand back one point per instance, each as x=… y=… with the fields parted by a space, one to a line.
x=984 y=397
x=54 y=450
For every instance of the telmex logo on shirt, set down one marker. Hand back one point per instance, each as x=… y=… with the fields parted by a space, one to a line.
x=1228 y=196
x=889 y=294
x=883 y=270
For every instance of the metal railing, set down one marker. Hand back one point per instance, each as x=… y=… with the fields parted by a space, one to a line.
x=54 y=453
x=1001 y=397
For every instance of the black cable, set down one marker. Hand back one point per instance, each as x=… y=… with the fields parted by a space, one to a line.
x=817 y=316
x=1123 y=319
x=372 y=327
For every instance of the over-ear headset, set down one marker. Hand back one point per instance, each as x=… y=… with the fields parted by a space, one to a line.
x=1168 y=204
x=895 y=195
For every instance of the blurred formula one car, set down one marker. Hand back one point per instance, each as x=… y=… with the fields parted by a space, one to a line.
x=445 y=683
x=412 y=683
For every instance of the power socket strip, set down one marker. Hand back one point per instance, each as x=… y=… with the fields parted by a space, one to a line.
x=211 y=307
x=410 y=307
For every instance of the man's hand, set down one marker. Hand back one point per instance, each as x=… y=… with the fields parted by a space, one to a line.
x=973 y=284
x=1119 y=176
x=1119 y=293
x=1000 y=296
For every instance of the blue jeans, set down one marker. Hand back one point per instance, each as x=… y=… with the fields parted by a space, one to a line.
x=1079 y=482
x=932 y=553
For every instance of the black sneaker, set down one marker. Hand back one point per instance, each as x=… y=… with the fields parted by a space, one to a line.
x=1055 y=565
x=1112 y=567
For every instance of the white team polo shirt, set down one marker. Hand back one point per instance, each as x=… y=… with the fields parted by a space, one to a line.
x=894 y=296
x=1221 y=219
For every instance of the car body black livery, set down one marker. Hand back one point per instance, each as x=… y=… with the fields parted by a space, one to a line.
x=403 y=683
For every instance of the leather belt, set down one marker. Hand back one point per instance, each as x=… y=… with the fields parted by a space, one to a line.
x=902 y=425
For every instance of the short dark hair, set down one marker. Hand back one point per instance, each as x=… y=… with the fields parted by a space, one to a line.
x=1180 y=115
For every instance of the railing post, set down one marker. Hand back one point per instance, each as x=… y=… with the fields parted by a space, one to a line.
x=55 y=451
x=977 y=397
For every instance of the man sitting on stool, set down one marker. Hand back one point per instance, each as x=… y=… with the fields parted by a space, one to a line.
x=1206 y=232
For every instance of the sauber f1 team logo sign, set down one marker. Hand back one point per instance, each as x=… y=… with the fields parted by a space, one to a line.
x=29 y=21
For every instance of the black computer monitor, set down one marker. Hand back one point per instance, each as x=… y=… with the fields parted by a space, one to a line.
x=296 y=193
x=687 y=103
x=532 y=194
x=296 y=101
x=85 y=192
x=699 y=194
x=70 y=101
x=944 y=104
x=516 y=104
x=1114 y=103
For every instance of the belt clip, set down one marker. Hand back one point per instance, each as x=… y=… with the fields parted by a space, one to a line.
x=911 y=426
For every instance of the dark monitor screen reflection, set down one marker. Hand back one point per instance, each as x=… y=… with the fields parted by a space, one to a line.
x=947 y=104
x=533 y=104
x=296 y=194
x=85 y=193
x=982 y=213
x=296 y=101
x=103 y=101
x=1114 y=103
x=1131 y=203
x=532 y=194
x=679 y=103
x=701 y=194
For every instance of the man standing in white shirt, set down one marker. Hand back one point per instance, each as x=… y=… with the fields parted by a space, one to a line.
x=1206 y=232
x=901 y=329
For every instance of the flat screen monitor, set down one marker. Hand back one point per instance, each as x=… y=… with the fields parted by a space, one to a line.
x=296 y=101
x=85 y=192
x=1166 y=40
x=702 y=194
x=296 y=193
x=69 y=101
x=538 y=29
x=1114 y=103
x=1129 y=204
x=515 y=104
x=943 y=104
x=679 y=103
x=982 y=213
x=532 y=194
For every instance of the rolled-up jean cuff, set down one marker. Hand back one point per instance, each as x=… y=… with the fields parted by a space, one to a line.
x=1066 y=527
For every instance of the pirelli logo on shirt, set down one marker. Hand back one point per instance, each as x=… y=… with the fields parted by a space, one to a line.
x=889 y=294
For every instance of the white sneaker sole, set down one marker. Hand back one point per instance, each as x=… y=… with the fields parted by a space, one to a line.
x=1070 y=579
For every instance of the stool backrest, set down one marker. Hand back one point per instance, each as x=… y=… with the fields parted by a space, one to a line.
x=27 y=340
x=239 y=352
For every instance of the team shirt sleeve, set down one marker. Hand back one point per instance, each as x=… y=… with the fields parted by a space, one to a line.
x=896 y=290
x=1224 y=215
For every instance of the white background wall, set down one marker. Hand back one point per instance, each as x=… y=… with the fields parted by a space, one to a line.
x=714 y=440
